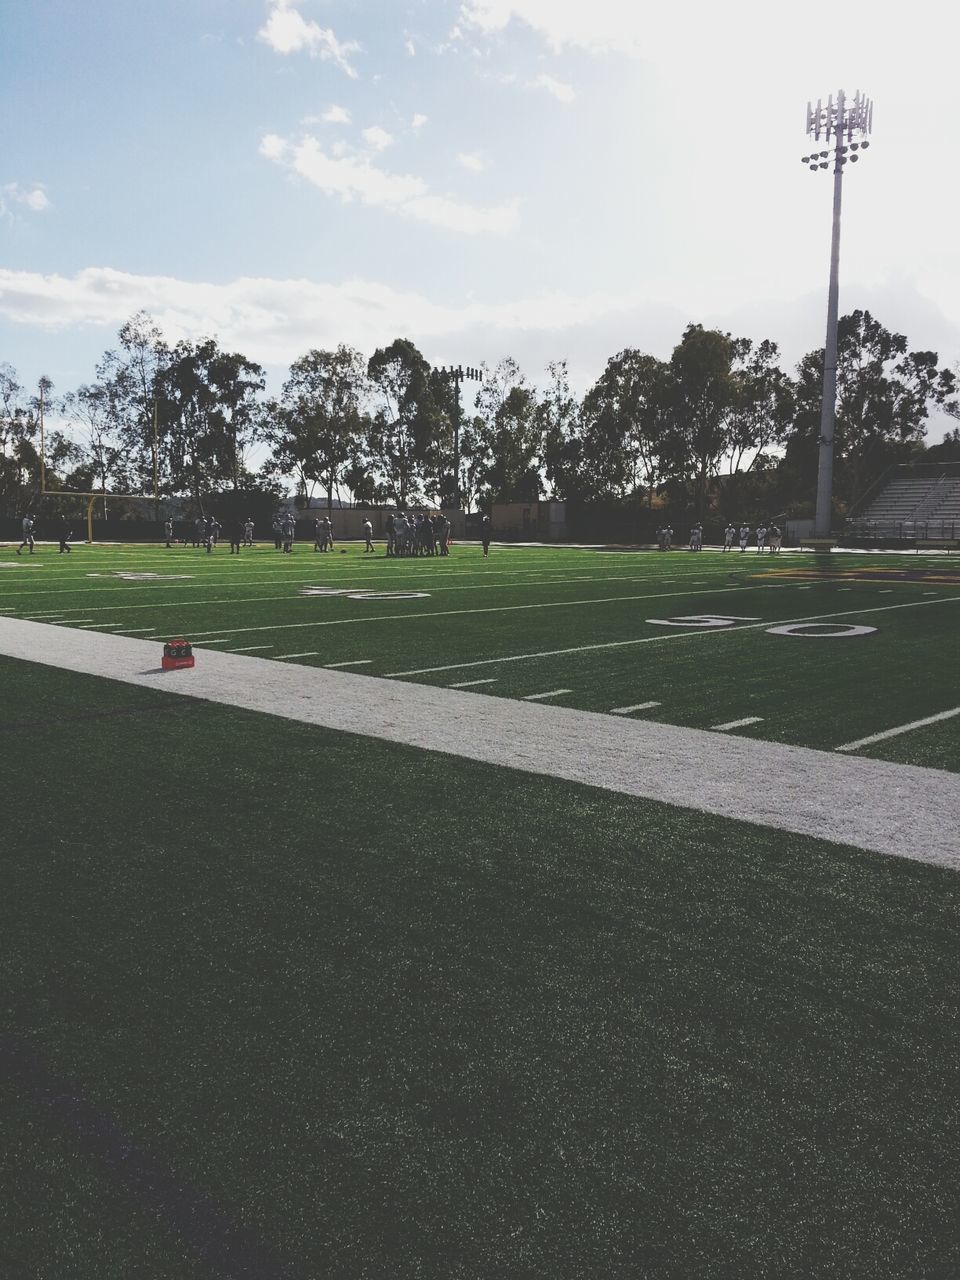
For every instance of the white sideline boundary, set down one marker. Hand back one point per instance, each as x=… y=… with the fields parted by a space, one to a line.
x=893 y=809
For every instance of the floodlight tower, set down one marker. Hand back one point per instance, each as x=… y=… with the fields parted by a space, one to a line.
x=456 y=375
x=843 y=125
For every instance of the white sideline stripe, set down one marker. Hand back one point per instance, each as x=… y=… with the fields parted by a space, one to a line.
x=250 y=648
x=469 y=684
x=673 y=635
x=901 y=728
x=639 y=706
x=551 y=693
x=133 y=631
x=895 y=809
x=736 y=724
x=199 y=644
x=314 y=653
x=355 y=662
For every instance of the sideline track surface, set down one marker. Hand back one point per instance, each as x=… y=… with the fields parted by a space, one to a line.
x=895 y=809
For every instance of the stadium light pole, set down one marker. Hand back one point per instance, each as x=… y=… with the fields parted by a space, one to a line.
x=457 y=374
x=843 y=125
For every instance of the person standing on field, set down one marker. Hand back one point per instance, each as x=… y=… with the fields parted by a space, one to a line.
x=744 y=536
x=368 y=534
x=168 y=532
x=485 y=536
x=27 y=526
x=248 y=532
x=728 y=536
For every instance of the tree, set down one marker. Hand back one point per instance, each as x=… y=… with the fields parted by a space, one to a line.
x=404 y=437
x=626 y=424
x=20 y=462
x=948 y=450
x=317 y=430
x=762 y=405
x=101 y=457
x=128 y=387
x=505 y=440
x=208 y=410
x=702 y=392
x=559 y=421
x=884 y=396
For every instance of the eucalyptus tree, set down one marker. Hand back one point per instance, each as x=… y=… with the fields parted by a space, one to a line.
x=626 y=424
x=208 y=415
x=317 y=431
x=505 y=443
x=407 y=423
x=885 y=393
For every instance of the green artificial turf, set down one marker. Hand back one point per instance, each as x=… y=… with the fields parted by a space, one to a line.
x=377 y=1012
x=531 y=620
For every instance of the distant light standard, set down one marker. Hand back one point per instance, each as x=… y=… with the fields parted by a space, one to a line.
x=457 y=374
x=838 y=123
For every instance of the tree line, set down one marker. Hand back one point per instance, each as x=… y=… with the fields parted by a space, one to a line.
x=196 y=421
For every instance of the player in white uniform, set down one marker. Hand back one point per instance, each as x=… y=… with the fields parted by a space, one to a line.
x=368 y=534
x=728 y=536
x=27 y=526
x=696 y=538
x=776 y=539
x=248 y=532
x=761 y=538
x=744 y=536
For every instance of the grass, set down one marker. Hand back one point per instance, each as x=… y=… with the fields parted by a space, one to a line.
x=281 y=1001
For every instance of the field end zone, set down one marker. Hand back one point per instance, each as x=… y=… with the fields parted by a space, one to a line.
x=901 y=810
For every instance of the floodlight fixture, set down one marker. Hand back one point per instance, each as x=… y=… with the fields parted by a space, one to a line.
x=842 y=123
x=457 y=374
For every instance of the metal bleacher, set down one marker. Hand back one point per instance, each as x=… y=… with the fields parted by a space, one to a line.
x=918 y=502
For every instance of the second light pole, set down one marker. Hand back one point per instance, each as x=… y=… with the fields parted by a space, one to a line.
x=457 y=374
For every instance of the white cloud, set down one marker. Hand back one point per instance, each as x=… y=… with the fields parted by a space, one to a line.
x=471 y=160
x=418 y=121
x=33 y=198
x=336 y=115
x=410 y=47
x=354 y=177
x=377 y=138
x=287 y=31
x=562 y=92
x=274 y=321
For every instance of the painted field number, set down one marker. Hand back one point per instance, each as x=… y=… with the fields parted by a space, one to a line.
x=821 y=630
x=700 y=620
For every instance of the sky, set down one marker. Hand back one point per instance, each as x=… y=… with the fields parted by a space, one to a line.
x=545 y=179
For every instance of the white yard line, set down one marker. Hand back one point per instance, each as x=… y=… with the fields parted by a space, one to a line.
x=871 y=804
x=638 y=706
x=314 y=653
x=551 y=693
x=901 y=728
x=251 y=647
x=662 y=639
x=354 y=662
x=470 y=684
x=736 y=724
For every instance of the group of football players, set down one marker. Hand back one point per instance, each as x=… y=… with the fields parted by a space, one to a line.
x=769 y=537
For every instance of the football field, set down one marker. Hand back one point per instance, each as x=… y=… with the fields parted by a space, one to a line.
x=291 y=999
